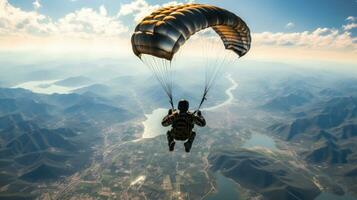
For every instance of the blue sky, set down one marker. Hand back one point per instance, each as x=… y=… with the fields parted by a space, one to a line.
x=262 y=15
x=295 y=29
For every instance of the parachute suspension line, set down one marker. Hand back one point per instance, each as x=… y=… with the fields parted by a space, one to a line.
x=163 y=69
x=157 y=69
x=212 y=69
x=209 y=83
x=207 y=46
x=214 y=49
x=172 y=82
x=168 y=76
x=214 y=54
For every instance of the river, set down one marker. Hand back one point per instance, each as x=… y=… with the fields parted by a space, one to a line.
x=228 y=92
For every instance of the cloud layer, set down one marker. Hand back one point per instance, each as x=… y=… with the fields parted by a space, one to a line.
x=321 y=38
x=83 y=23
x=19 y=27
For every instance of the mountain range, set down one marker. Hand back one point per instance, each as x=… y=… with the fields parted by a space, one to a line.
x=263 y=174
x=46 y=137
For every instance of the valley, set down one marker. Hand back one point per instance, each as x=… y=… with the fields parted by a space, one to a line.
x=94 y=145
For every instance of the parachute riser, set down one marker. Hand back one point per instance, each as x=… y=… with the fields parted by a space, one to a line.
x=166 y=86
x=203 y=99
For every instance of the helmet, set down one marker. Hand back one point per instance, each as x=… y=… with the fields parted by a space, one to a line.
x=183 y=105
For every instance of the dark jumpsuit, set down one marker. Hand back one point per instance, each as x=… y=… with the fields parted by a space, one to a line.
x=182 y=125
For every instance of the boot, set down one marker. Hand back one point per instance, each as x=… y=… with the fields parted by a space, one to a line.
x=170 y=141
x=188 y=146
x=189 y=142
x=172 y=146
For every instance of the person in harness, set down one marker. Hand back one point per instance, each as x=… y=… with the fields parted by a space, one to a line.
x=182 y=122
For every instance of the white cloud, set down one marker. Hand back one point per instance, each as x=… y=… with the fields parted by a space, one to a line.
x=140 y=8
x=103 y=10
x=85 y=23
x=14 y=21
x=321 y=39
x=289 y=25
x=350 y=26
x=351 y=18
x=36 y=4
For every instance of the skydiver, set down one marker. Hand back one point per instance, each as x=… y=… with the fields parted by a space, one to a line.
x=182 y=122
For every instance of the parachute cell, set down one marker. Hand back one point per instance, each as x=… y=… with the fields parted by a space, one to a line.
x=164 y=31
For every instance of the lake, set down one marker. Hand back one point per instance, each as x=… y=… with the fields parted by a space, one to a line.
x=152 y=124
x=260 y=140
x=46 y=87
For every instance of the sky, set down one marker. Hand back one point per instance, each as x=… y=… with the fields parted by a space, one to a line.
x=317 y=30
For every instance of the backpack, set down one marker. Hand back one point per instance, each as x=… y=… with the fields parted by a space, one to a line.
x=182 y=126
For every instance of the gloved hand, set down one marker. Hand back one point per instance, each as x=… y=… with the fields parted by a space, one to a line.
x=199 y=113
x=171 y=111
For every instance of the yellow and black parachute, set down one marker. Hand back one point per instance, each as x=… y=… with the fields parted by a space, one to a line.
x=160 y=35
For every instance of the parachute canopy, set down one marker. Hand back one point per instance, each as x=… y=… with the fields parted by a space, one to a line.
x=164 y=31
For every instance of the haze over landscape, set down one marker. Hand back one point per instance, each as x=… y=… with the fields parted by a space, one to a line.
x=80 y=114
